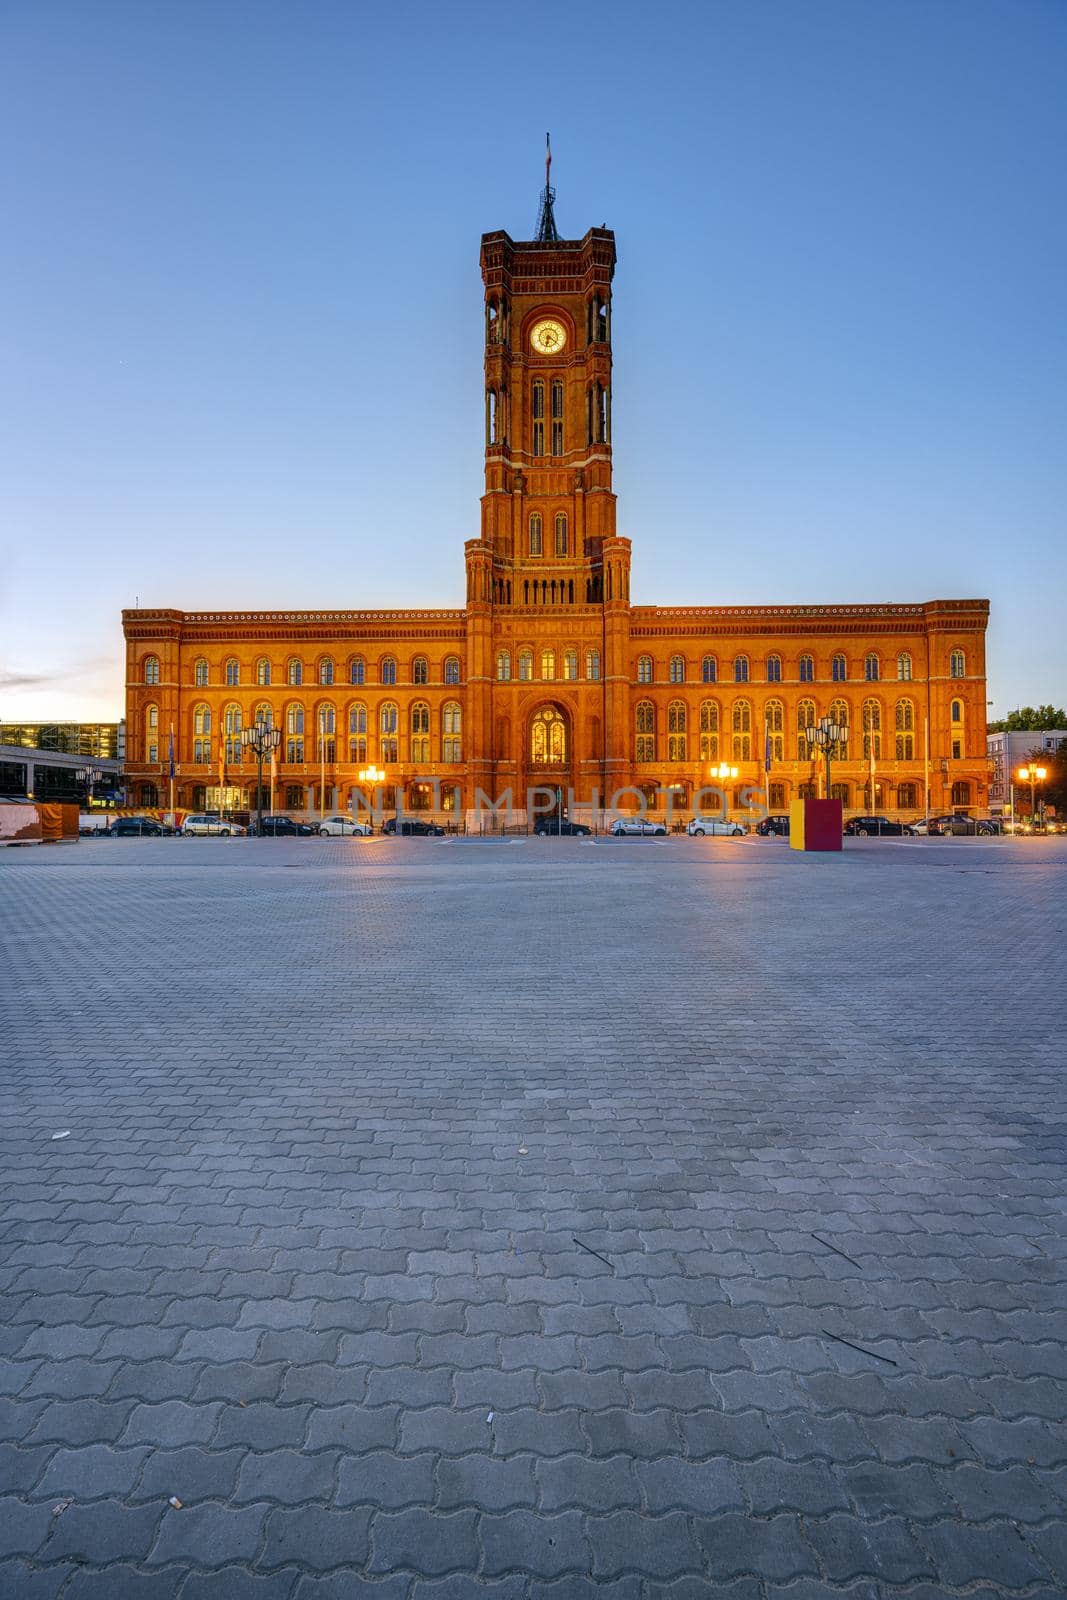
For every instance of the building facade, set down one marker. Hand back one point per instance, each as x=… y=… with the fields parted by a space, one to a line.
x=64 y=761
x=1010 y=751
x=550 y=675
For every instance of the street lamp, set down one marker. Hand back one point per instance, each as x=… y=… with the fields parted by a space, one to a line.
x=825 y=734
x=373 y=776
x=262 y=739
x=1033 y=774
x=723 y=771
x=88 y=775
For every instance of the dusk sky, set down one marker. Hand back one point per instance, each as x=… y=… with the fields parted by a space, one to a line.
x=241 y=311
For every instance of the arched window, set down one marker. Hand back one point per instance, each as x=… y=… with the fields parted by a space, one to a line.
x=388 y=731
x=805 y=719
x=957 y=711
x=904 y=667
x=264 y=715
x=326 y=669
x=561 y=534
x=357 y=670
x=740 y=669
x=741 y=721
x=326 y=730
x=294 y=671
x=548 y=663
x=807 y=669
x=525 y=665
x=262 y=672
x=233 y=673
x=420 y=732
x=840 y=791
x=570 y=663
x=537 y=412
x=452 y=670
x=676 y=731
x=839 y=713
x=388 y=670
x=557 y=418
x=151 y=669
x=957 y=729
x=592 y=664
x=906 y=793
x=871 y=667
x=503 y=665
x=676 y=669
x=644 y=669
x=904 y=727
x=357 y=731
x=200 y=673
x=420 y=671
x=957 y=665
x=645 y=724
x=709 y=730
x=151 y=731
x=871 y=714
x=201 y=734
x=709 y=670
x=839 y=669
x=451 y=730
x=548 y=738
x=294 y=733
x=774 y=669
x=231 y=723
x=774 y=717
x=961 y=792
x=536 y=534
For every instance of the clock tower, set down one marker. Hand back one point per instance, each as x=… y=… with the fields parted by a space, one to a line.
x=547 y=575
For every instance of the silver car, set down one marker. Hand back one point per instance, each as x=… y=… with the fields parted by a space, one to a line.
x=714 y=827
x=342 y=827
x=630 y=827
x=200 y=822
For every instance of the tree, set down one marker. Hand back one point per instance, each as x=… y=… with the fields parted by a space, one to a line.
x=1030 y=719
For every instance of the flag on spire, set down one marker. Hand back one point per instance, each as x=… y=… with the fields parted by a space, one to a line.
x=547 y=232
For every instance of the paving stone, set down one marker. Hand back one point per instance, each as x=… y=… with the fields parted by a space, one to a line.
x=592 y=1485
x=18 y=1578
x=661 y=1546
x=104 y=1531
x=806 y=1486
x=546 y=1546
x=312 y=1536
x=851 y=1549
x=20 y=1469
x=23 y=1527
x=488 y=1482
x=118 y=1582
x=911 y=1490
x=772 y=1549
x=379 y=1478
x=170 y=1424
x=92 y=1472
x=209 y=1535
x=189 y=1474
x=349 y=1586
x=993 y=1553
x=286 y=1475
x=426 y=1541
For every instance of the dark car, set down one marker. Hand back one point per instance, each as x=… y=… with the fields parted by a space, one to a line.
x=136 y=828
x=880 y=827
x=962 y=825
x=413 y=828
x=560 y=827
x=774 y=825
x=282 y=827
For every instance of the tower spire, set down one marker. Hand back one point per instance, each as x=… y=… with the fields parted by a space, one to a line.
x=547 y=232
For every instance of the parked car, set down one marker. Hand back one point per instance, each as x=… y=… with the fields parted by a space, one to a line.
x=714 y=827
x=963 y=826
x=342 y=827
x=936 y=824
x=880 y=827
x=282 y=827
x=205 y=823
x=136 y=828
x=777 y=824
x=560 y=827
x=637 y=827
x=413 y=828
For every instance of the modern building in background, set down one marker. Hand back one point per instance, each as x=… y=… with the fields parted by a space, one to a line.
x=551 y=674
x=49 y=760
x=1010 y=751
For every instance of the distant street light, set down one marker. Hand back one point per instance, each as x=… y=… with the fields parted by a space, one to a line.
x=825 y=735
x=1035 y=775
x=89 y=776
x=373 y=776
x=262 y=738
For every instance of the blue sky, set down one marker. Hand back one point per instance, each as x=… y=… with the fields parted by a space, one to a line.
x=240 y=309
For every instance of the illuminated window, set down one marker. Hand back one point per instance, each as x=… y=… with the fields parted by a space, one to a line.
x=503 y=665
x=151 y=669
x=525 y=665
x=807 y=669
x=201 y=734
x=388 y=734
x=420 y=732
x=774 y=719
x=561 y=534
x=904 y=726
x=536 y=534
x=548 y=738
x=709 y=730
x=451 y=730
x=570 y=664
x=644 y=669
x=592 y=664
x=645 y=724
x=200 y=673
x=538 y=414
x=294 y=733
x=357 y=731
x=676 y=731
x=741 y=722
x=557 y=418
x=548 y=663
x=231 y=725
x=151 y=723
x=709 y=670
x=839 y=713
x=326 y=729
x=871 y=716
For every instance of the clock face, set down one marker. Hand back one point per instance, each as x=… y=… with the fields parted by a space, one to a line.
x=548 y=337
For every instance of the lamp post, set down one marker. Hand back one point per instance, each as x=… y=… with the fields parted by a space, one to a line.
x=1033 y=774
x=262 y=739
x=374 y=776
x=825 y=734
x=88 y=775
x=725 y=773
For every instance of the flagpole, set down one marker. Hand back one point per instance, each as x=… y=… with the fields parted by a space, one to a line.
x=926 y=770
x=170 y=753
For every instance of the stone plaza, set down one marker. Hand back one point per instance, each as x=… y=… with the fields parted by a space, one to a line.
x=424 y=1219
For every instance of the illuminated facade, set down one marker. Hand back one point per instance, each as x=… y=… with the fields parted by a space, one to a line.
x=549 y=674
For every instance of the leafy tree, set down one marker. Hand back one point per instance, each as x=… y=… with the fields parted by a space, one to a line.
x=1031 y=719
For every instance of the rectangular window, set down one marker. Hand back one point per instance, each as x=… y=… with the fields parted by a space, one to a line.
x=646 y=747
x=957 y=750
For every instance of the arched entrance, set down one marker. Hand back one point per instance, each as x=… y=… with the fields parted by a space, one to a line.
x=547 y=754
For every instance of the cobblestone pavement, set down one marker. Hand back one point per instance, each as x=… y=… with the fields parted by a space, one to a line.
x=437 y=1219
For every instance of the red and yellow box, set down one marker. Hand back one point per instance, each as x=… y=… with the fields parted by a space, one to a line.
x=815 y=825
